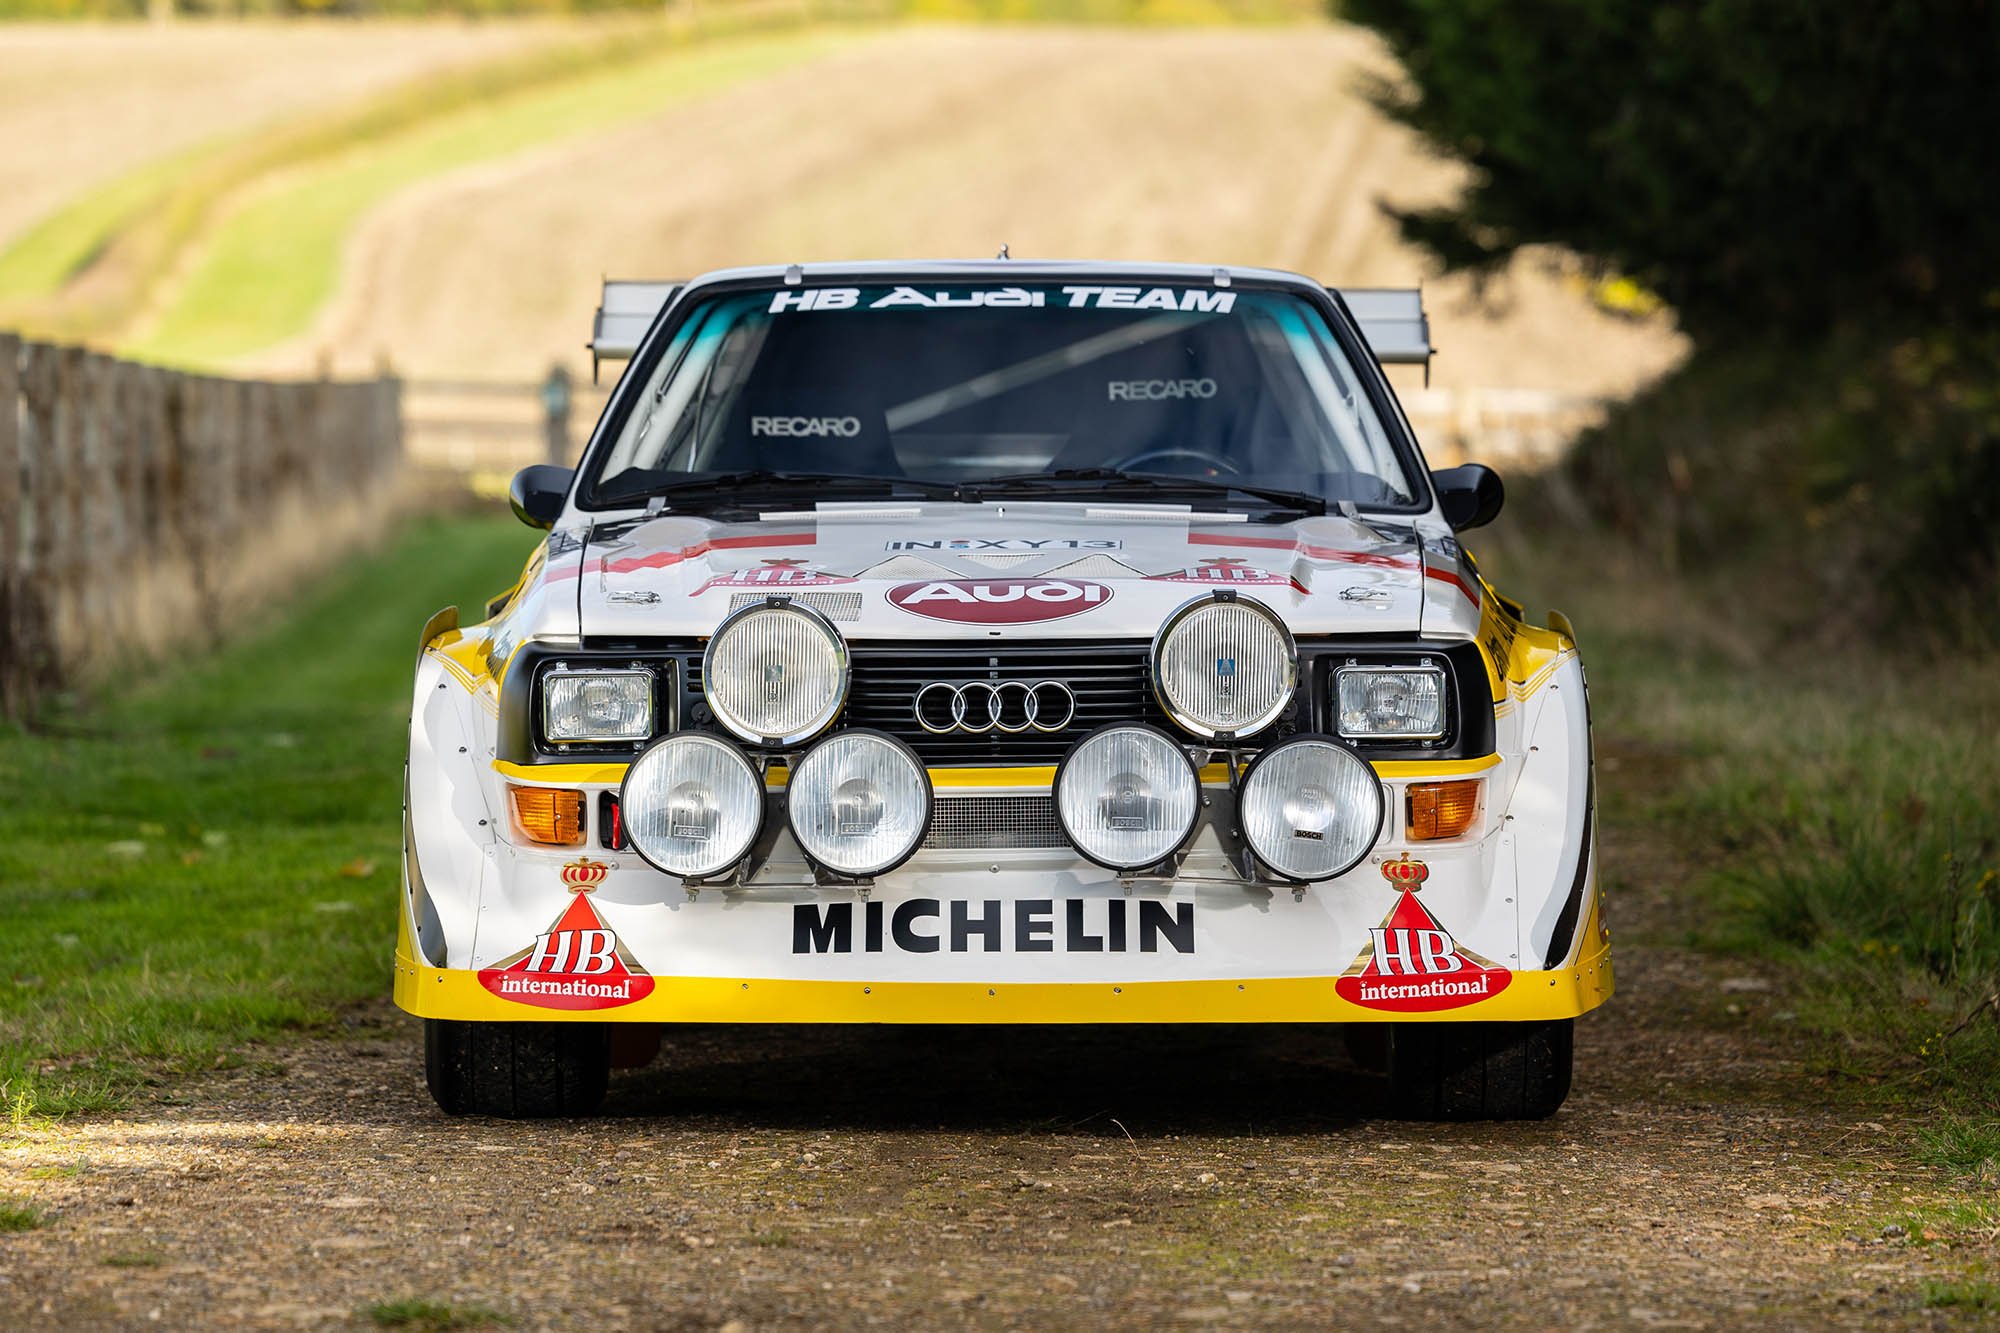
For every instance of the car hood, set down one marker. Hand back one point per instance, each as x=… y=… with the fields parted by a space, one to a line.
x=1037 y=570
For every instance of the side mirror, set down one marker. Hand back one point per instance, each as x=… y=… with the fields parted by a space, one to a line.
x=537 y=493
x=1470 y=495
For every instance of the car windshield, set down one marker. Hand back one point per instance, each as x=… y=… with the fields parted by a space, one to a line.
x=1037 y=385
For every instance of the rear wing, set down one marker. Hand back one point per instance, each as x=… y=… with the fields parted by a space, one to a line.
x=624 y=313
x=1391 y=319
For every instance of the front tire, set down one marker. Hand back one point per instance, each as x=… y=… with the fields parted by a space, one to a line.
x=520 y=1071
x=1480 y=1071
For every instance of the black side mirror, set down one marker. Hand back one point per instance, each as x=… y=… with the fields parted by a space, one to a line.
x=1470 y=495
x=537 y=493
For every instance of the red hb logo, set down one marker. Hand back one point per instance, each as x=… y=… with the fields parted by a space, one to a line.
x=584 y=953
x=1406 y=874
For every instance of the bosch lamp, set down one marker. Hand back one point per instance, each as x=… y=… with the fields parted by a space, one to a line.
x=1127 y=796
x=596 y=706
x=692 y=805
x=1224 y=666
x=775 y=673
x=1381 y=703
x=860 y=803
x=1311 y=808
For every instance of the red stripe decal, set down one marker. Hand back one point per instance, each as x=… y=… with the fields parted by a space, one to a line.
x=1447 y=576
x=1240 y=539
x=625 y=564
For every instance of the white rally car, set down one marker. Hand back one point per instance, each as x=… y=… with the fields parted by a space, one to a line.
x=1001 y=643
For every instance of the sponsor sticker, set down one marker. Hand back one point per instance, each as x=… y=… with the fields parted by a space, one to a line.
x=1411 y=964
x=1152 y=391
x=577 y=963
x=1019 y=544
x=1192 y=299
x=774 y=574
x=1025 y=925
x=1227 y=569
x=998 y=601
x=845 y=428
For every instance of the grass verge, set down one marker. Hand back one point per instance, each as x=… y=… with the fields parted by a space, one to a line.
x=209 y=858
x=1838 y=813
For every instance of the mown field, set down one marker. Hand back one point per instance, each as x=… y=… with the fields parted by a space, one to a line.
x=449 y=204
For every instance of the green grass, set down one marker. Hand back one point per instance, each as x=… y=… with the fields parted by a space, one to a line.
x=16 y=1216
x=210 y=859
x=264 y=270
x=1837 y=812
x=1964 y=1293
x=133 y=1259
x=431 y=1315
x=1966 y=1146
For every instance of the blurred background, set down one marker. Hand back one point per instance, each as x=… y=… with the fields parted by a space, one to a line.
x=1716 y=287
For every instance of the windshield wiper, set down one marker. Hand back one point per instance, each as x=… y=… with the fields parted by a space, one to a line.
x=1111 y=480
x=744 y=486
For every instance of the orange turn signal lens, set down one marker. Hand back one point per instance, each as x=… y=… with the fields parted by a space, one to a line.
x=549 y=815
x=1442 y=809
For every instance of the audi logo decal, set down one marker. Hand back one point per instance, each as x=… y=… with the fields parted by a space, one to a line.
x=982 y=706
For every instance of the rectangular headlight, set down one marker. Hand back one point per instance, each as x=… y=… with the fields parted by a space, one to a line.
x=1380 y=703
x=597 y=705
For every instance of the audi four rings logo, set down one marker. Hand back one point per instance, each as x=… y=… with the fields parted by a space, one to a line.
x=1004 y=705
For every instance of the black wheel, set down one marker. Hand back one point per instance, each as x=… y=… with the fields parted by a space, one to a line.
x=522 y=1071
x=1480 y=1071
x=1368 y=1045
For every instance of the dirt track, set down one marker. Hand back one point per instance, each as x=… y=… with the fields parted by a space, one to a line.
x=1697 y=1178
x=1205 y=145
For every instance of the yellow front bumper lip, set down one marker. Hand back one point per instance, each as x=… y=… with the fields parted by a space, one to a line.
x=456 y=993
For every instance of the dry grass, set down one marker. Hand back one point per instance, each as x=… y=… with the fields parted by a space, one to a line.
x=1250 y=146
x=84 y=103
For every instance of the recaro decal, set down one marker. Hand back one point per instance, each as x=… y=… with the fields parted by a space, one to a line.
x=1152 y=391
x=998 y=601
x=841 y=427
x=577 y=963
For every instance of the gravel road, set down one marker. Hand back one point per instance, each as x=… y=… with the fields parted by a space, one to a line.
x=1698 y=1177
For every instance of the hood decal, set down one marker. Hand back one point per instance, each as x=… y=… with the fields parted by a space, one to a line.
x=999 y=601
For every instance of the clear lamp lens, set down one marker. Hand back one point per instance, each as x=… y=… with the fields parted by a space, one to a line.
x=597 y=705
x=1127 y=797
x=1225 y=667
x=775 y=673
x=1311 y=809
x=692 y=805
x=1406 y=701
x=859 y=803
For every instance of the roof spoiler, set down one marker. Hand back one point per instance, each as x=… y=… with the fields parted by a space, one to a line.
x=624 y=313
x=1391 y=319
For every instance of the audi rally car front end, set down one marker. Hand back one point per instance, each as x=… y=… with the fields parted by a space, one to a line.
x=1002 y=643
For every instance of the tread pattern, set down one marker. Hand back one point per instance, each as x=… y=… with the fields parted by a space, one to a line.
x=1480 y=1071
x=518 y=1071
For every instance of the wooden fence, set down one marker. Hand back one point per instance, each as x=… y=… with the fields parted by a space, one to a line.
x=141 y=509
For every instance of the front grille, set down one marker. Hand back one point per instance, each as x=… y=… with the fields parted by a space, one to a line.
x=994 y=823
x=1108 y=680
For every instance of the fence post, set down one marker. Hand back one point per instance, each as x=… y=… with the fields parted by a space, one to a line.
x=556 y=404
x=13 y=679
